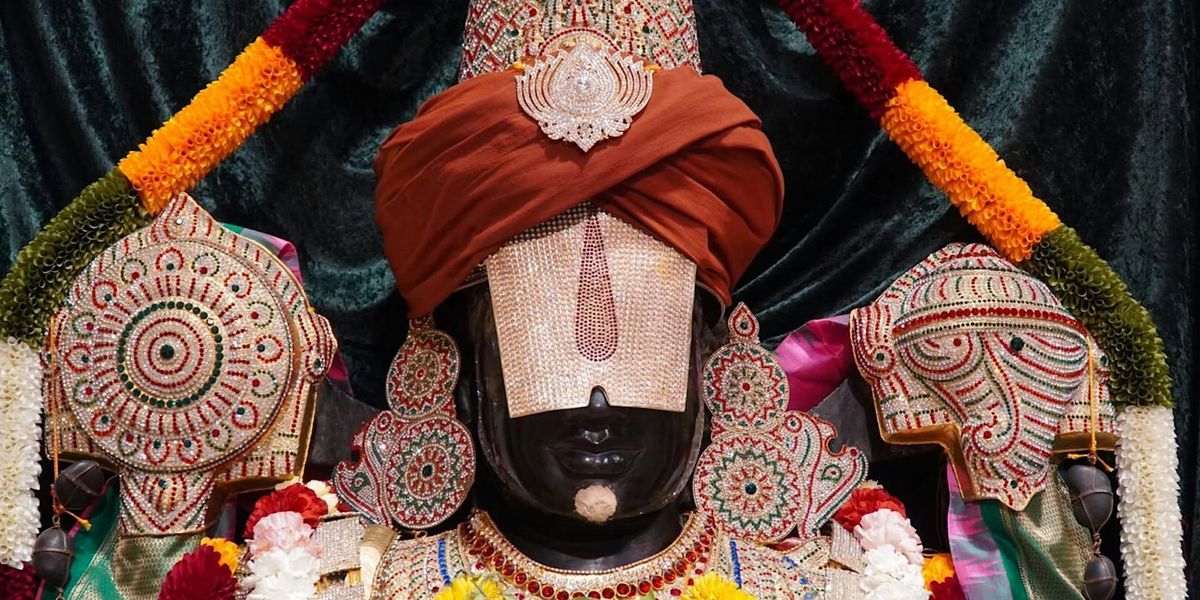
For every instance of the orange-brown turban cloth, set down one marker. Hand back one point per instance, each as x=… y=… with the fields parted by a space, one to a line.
x=471 y=171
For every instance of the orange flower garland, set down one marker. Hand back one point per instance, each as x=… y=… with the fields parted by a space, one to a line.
x=213 y=125
x=956 y=160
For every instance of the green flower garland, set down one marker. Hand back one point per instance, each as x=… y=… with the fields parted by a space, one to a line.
x=103 y=213
x=1097 y=296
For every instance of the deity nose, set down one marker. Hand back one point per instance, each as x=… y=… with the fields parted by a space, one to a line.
x=598 y=399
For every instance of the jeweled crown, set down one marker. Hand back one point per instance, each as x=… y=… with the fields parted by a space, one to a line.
x=499 y=33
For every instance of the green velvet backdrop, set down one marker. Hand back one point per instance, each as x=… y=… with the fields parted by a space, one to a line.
x=1091 y=102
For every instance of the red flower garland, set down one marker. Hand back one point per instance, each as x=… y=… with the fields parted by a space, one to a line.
x=18 y=584
x=295 y=498
x=199 y=575
x=311 y=32
x=946 y=589
x=864 y=501
x=857 y=48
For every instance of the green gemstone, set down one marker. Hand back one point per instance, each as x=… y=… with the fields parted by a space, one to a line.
x=1016 y=344
x=240 y=411
x=167 y=352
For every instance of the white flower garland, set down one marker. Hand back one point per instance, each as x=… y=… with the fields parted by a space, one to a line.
x=890 y=576
x=1148 y=485
x=284 y=561
x=20 y=417
x=893 y=557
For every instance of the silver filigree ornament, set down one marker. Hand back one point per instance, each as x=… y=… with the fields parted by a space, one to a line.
x=584 y=95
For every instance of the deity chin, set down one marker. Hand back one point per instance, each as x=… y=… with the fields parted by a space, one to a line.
x=595 y=465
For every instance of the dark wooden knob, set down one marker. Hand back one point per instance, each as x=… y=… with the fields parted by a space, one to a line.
x=53 y=552
x=78 y=486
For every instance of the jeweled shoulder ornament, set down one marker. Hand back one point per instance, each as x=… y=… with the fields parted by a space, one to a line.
x=184 y=357
x=584 y=95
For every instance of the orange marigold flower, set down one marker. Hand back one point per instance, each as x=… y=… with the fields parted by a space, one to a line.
x=212 y=126
x=960 y=163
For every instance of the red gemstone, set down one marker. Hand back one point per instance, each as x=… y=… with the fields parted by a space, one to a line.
x=624 y=589
x=488 y=550
x=644 y=587
x=254 y=315
x=690 y=556
x=204 y=270
x=533 y=587
x=134 y=276
x=90 y=326
x=669 y=576
x=656 y=582
x=509 y=570
x=547 y=591
x=519 y=578
x=608 y=593
x=593 y=594
x=676 y=592
x=562 y=596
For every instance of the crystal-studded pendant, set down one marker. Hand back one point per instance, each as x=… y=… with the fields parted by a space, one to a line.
x=584 y=95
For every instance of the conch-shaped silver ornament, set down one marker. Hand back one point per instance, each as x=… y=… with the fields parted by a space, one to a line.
x=584 y=95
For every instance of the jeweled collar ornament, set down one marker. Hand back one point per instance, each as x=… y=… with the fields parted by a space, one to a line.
x=584 y=95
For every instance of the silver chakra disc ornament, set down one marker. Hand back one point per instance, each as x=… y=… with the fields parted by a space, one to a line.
x=584 y=95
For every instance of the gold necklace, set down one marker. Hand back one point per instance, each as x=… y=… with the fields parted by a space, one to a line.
x=667 y=573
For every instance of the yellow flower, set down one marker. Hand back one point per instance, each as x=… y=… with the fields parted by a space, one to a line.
x=472 y=588
x=937 y=569
x=711 y=586
x=227 y=550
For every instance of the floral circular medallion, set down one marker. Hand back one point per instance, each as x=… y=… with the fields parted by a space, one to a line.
x=430 y=473
x=745 y=387
x=745 y=482
x=423 y=374
x=173 y=355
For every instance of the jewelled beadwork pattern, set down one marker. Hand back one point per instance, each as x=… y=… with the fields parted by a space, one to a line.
x=416 y=461
x=422 y=377
x=418 y=569
x=968 y=351
x=185 y=356
x=501 y=32
x=768 y=471
x=571 y=299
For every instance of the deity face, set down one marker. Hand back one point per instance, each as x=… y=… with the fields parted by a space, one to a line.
x=644 y=456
